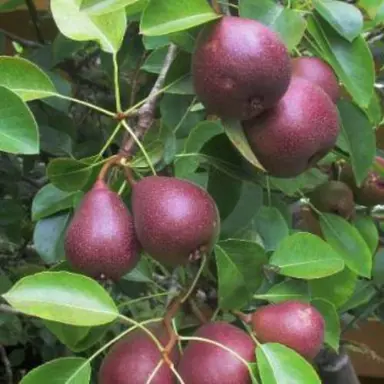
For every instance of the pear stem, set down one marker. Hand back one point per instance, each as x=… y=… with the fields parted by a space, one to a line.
x=196 y=279
x=113 y=160
x=216 y=6
x=246 y=318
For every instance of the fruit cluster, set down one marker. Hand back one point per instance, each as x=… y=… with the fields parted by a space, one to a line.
x=242 y=70
x=218 y=353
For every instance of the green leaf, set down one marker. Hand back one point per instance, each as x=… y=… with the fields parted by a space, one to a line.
x=368 y=230
x=279 y=364
x=108 y=29
x=288 y=23
x=348 y=243
x=99 y=7
x=10 y=5
x=11 y=212
x=352 y=62
x=286 y=290
x=364 y=292
x=359 y=137
x=48 y=237
x=69 y=174
x=306 y=181
x=142 y=273
x=201 y=134
x=249 y=203
x=154 y=62
x=346 y=19
x=18 y=128
x=235 y=133
x=5 y=282
x=306 y=256
x=24 y=78
x=162 y=17
x=332 y=322
x=240 y=272
x=271 y=226
x=378 y=267
x=64 y=297
x=336 y=289
x=66 y=370
x=50 y=200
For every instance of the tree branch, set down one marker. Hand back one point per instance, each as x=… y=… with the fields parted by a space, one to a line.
x=147 y=111
x=7 y=365
x=21 y=41
x=35 y=20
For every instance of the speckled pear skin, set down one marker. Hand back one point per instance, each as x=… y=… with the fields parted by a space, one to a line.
x=100 y=241
x=240 y=67
x=370 y=193
x=133 y=359
x=297 y=325
x=173 y=218
x=294 y=135
x=334 y=197
x=204 y=363
x=318 y=72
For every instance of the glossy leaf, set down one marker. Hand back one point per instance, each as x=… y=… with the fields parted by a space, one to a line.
x=352 y=62
x=66 y=370
x=346 y=19
x=154 y=62
x=24 y=78
x=98 y=7
x=332 y=322
x=249 y=203
x=69 y=174
x=336 y=289
x=287 y=290
x=240 y=273
x=18 y=128
x=271 y=226
x=306 y=256
x=162 y=17
x=348 y=243
x=368 y=230
x=64 y=297
x=201 y=134
x=364 y=292
x=235 y=133
x=50 y=200
x=279 y=364
x=359 y=137
x=48 y=237
x=378 y=267
x=108 y=29
x=288 y=23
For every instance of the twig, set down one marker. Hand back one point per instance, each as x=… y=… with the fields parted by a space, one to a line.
x=7 y=365
x=135 y=79
x=147 y=111
x=35 y=20
x=21 y=41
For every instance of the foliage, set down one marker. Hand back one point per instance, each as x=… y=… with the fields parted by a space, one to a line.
x=71 y=101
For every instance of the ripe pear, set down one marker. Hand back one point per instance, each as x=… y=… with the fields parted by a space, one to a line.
x=297 y=325
x=134 y=358
x=295 y=134
x=318 y=72
x=240 y=67
x=174 y=218
x=204 y=363
x=334 y=197
x=100 y=240
x=371 y=191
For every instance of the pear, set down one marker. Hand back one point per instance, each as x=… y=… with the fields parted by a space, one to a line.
x=100 y=240
x=294 y=135
x=204 y=363
x=297 y=325
x=134 y=358
x=174 y=219
x=240 y=68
